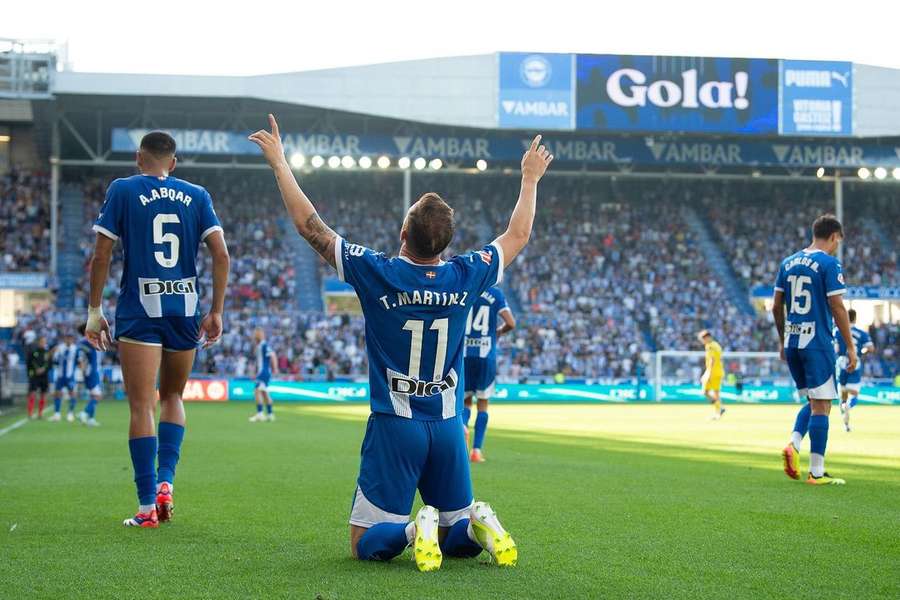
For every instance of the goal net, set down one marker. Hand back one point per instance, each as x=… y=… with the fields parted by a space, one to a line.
x=749 y=377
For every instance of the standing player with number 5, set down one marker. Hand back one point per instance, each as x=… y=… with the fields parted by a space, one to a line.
x=160 y=221
x=415 y=307
x=812 y=285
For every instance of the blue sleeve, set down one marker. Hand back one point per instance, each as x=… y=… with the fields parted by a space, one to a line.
x=356 y=264
x=834 y=279
x=501 y=299
x=865 y=339
x=209 y=220
x=109 y=222
x=482 y=268
x=779 y=279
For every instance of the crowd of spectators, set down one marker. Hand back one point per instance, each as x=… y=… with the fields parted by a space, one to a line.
x=24 y=221
x=760 y=224
x=614 y=271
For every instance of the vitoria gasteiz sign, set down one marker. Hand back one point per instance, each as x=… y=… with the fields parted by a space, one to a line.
x=670 y=93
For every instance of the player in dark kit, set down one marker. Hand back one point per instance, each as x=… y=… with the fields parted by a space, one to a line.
x=415 y=307
x=160 y=221
x=38 y=364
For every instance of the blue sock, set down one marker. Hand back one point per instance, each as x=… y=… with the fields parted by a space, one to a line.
x=382 y=541
x=853 y=400
x=801 y=425
x=259 y=407
x=91 y=408
x=143 y=458
x=458 y=543
x=57 y=404
x=170 y=437
x=269 y=408
x=481 y=420
x=467 y=414
x=818 y=434
x=72 y=403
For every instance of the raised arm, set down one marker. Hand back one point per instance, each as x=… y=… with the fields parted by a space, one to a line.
x=97 y=328
x=307 y=221
x=534 y=164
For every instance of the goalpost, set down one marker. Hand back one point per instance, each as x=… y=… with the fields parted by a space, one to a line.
x=749 y=376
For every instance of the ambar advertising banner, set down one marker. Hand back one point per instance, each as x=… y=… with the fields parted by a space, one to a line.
x=681 y=94
x=536 y=91
x=581 y=148
x=816 y=97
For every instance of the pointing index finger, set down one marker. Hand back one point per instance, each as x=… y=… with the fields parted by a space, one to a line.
x=274 y=125
x=535 y=142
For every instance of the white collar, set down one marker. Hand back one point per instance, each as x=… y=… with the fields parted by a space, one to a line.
x=412 y=262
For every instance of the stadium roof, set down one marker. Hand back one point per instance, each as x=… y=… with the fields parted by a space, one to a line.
x=446 y=91
x=456 y=91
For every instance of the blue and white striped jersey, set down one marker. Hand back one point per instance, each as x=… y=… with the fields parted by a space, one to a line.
x=808 y=279
x=161 y=222
x=416 y=324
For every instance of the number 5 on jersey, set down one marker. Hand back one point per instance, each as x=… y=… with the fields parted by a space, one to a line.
x=167 y=258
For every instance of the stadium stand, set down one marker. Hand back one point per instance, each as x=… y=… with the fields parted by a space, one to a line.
x=24 y=221
x=620 y=267
x=756 y=223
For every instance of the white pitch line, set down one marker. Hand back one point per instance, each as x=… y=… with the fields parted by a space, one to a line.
x=15 y=425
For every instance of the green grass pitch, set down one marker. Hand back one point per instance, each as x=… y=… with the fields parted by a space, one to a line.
x=603 y=501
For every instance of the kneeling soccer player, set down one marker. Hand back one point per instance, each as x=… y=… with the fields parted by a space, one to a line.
x=160 y=221
x=712 y=376
x=482 y=332
x=810 y=282
x=415 y=307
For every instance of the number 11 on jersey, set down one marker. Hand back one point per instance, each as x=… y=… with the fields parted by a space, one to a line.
x=417 y=329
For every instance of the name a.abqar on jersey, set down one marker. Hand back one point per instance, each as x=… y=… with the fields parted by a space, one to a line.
x=165 y=193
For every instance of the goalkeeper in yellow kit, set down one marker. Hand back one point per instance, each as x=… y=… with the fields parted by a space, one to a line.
x=712 y=376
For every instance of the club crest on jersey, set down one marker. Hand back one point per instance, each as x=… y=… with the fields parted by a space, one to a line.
x=403 y=384
x=430 y=274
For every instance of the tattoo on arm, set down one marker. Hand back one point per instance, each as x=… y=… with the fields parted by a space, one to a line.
x=320 y=236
